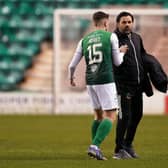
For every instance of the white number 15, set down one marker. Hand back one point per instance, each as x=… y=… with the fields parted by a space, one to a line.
x=95 y=54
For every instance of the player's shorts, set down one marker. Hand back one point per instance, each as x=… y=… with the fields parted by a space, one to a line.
x=103 y=96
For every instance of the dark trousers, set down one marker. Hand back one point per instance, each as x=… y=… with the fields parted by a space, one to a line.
x=129 y=117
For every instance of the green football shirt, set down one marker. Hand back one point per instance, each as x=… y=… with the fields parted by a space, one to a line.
x=97 y=50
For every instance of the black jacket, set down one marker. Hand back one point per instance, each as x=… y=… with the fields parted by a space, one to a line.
x=131 y=71
x=138 y=68
x=157 y=75
x=130 y=76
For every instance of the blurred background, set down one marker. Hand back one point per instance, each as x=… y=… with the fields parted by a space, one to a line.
x=27 y=53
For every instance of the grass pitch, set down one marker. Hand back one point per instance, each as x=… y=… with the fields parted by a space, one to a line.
x=62 y=142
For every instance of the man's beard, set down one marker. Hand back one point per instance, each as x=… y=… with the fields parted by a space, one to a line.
x=127 y=30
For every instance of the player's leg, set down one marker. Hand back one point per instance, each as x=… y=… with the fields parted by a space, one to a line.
x=108 y=101
x=94 y=150
x=104 y=127
x=103 y=130
x=136 y=109
x=122 y=122
x=98 y=113
x=107 y=96
x=96 y=122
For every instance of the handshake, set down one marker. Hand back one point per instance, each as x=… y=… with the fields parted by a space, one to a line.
x=124 y=48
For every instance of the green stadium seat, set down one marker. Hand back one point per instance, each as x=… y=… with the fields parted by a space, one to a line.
x=15 y=62
x=102 y=2
x=165 y=5
x=9 y=35
x=151 y=2
x=43 y=8
x=4 y=63
x=26 y=35
x=45 y=22
x=14 y=77
x=25 y=8
x=4 y=84
x=38 y=35
x=160 y=1
x=3 y=21
x=138 y=2
x=29 y=21
x=15 y=21
x=9 y=79
x=7 y=8
x=23 y=35
x=17 y=49
x=3 y=49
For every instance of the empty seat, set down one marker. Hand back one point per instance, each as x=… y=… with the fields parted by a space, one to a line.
x=4 y=62
x=9 y=80
x=26 y=35
x=24 y=8
x=41 y=8
x=165 y=5
x=18 y=49
x=19 y=62
x=7 y=8
x=44 y=22
x=3 y=49
x=15 y=21
x=3 y=21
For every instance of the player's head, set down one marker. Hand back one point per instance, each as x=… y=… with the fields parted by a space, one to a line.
x=101 y=20
x=125 y=22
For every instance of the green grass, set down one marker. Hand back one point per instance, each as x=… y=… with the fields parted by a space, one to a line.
x=62 y=141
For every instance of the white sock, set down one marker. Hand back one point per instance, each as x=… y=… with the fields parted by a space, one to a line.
x=94 y=146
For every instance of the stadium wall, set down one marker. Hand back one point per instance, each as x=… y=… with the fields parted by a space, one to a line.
x=70 y=104
x=26 y=103
x=43 y=103
x=166 y=104
x=157 y=104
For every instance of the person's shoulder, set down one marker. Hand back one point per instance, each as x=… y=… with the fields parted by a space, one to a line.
x=109 y=34
x=114 y=35
x=136 y=34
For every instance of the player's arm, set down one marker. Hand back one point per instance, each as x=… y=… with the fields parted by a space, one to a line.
x=74 y=62
x=117 y=53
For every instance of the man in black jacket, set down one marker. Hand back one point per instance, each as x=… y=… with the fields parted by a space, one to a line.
x=130 y=77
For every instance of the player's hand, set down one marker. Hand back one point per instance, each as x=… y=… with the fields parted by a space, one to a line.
x=124 y=48
x=72 y=82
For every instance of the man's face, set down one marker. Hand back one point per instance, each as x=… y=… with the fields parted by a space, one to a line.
x=125 y=24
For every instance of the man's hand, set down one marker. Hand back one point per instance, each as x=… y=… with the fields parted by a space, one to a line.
x=124 y=48
x=72 y=82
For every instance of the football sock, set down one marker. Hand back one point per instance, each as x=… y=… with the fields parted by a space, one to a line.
x=102 y=131
x=94 y=127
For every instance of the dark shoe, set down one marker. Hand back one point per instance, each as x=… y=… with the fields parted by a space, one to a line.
x=132 y=152
x=95 y=152
x=122 y=154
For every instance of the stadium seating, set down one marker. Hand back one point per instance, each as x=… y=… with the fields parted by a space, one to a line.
x=23 y=24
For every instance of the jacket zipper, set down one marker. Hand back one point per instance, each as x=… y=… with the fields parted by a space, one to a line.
x=136 y=59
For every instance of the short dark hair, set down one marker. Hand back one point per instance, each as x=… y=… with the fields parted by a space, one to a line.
x=124 y=13
x=98 y=16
